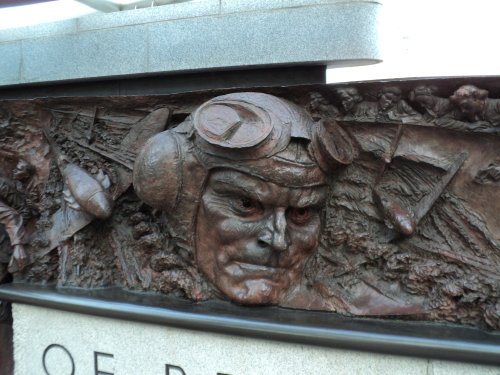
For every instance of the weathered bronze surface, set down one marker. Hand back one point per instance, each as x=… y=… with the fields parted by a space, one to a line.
x=241 y=185
x=376 y=199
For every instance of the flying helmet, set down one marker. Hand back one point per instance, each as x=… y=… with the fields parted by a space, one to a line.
x=255 y=133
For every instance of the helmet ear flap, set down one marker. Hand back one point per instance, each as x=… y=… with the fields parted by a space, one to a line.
x=158 y=171
x=332 y=146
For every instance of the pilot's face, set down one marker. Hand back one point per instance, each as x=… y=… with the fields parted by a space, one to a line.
x=254 y=237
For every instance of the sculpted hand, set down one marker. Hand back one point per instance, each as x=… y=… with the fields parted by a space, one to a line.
x=479 y=125
x=20 y=257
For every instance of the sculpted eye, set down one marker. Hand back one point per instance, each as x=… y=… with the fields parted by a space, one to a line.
x=299 y=215
x=245 y=205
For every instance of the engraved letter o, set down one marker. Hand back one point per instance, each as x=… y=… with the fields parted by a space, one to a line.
x=64 y=350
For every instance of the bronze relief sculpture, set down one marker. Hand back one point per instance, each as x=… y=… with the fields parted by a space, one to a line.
x=15 y=210
x=243 y=182
x=368 y=200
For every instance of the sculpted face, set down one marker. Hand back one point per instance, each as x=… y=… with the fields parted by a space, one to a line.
x=348 y=101
x=387 y=100
x=471 y=107
x=426 y=101
x=22 y=171
x=254 y=237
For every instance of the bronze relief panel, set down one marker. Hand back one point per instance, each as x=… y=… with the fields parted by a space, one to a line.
x=369 y=200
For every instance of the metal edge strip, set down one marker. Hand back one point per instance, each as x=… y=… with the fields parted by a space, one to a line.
x=406 y=345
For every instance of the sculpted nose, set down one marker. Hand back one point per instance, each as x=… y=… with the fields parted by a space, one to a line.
x=280 y=241
x=275 y=234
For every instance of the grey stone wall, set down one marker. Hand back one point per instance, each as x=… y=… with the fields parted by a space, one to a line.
x=197 y=35
x=126 y=347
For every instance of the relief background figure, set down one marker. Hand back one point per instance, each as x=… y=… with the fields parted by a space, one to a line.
x=434 y=106
x=355 y=107
x=319 y=105
x=16 y=210
x=392 y=106
x=476 y=110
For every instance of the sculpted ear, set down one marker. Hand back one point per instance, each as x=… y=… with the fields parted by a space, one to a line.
x=157 y=171
x=332 y=146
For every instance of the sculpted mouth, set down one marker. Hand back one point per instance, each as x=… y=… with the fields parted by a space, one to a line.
x=237 y=269
x=255 y=267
